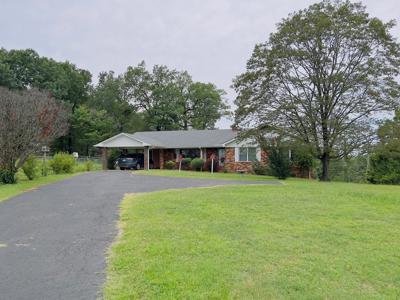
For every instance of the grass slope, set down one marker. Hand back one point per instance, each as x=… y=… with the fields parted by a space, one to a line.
x=303 y=240
x=208 y=175
x=23 y=185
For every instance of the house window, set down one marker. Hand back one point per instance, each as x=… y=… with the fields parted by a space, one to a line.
x=247 y=154
x=221 y=156
x=192 y=153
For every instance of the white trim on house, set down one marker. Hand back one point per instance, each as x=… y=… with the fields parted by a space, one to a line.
x=237 y=153
x=122 y=140
x=244 y=143
x=258 y=155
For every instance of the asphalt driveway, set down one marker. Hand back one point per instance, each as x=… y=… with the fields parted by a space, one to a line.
x=53 y=240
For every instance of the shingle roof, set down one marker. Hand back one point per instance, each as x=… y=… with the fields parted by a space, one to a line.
x=186 y=138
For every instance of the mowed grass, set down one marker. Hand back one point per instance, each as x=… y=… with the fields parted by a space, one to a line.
x=207 y=175
x=303 y=240
x=23 y=185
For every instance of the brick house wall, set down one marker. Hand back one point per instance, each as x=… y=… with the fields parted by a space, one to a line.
x=229 y=165
x=232 y=166
x=161 y=160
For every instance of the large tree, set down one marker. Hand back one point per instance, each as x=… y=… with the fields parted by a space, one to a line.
x=171 y=100
x=30 y=119
x=109 y=95
x=24 y=69
x=201 y=106
x=323 y=78
x=91 y=126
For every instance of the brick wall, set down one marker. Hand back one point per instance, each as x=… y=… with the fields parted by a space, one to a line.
x=232 y=166
x=104 y=158
x=161 y=154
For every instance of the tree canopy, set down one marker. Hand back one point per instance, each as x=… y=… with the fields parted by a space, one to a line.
x=109 y=95
x=29 y=120
x=25 y=69
x=171 y=100
x=321 y=78
x=385 y=159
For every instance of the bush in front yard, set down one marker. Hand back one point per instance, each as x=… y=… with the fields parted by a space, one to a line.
x=89 y=165
x=31 y=167
x=259 y=168
x=62 y=163
x=197 y=164
x=186 y=161
x=279 y=162
x=185 y=164
x=169 y=164
x=7 y=176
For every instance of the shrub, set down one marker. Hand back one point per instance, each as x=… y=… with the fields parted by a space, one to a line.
x=279 y=162
x=79 y=167
x=197 y=164
x=7 y=177
x=186 y=161
x=62 y=163
x=303 y=161
x=45 y=168
x=208 y=163
x=385 y=167
x=89 y=165
x=169 y=164
x=112 y=157
x=259 y=168
x=31 y=167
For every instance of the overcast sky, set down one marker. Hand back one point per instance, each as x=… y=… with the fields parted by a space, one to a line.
x=211 y=39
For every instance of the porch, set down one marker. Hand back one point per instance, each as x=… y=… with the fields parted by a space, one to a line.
x=155 y=158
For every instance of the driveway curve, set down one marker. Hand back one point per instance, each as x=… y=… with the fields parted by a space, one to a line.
x=53 y=239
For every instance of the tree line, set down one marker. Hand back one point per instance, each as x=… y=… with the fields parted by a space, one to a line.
x=44 y=102
x=139 y=99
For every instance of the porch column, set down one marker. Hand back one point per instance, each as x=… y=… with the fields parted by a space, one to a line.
x=146 y=158
x=104 y=157
x=161 y=153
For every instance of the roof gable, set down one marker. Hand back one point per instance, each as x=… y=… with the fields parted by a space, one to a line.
x=122 y=140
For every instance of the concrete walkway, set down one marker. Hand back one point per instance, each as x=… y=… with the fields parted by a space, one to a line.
x=53 y=240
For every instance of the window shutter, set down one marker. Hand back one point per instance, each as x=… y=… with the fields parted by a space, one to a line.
x=259 y=154
x=236 y=154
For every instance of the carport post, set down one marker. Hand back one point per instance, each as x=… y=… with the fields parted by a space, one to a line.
x=146 y=158
x=104 y=158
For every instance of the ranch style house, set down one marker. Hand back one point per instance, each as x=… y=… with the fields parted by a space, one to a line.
x=158 y=147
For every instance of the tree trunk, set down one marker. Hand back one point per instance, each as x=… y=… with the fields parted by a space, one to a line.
x=325 y=167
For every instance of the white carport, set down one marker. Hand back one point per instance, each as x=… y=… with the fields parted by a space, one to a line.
x=123 y=141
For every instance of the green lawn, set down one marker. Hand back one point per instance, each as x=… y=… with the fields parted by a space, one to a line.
x=302 y=240
x=192 y=174
x=23 y=185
